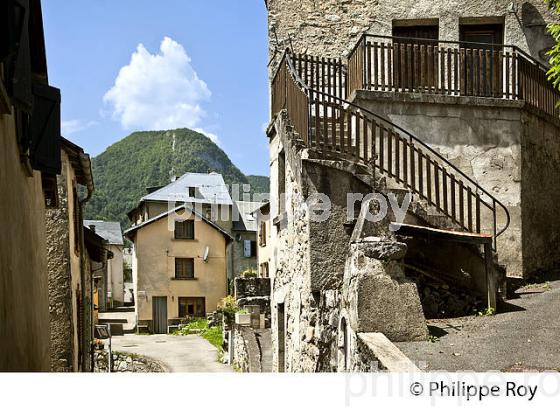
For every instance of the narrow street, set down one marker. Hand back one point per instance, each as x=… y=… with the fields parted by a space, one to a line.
x=189 y=353
x=522 y=338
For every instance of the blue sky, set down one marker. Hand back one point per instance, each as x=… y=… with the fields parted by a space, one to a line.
x=202 y=64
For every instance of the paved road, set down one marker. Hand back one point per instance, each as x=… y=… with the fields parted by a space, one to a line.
x=189 y=353
x=525 y=338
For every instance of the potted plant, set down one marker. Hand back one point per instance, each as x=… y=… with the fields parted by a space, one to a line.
x=243 y=318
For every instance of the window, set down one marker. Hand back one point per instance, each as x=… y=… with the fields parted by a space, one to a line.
x=281 y=182
x=190 y=306
x=184 y=268
x=264 y=270
x=77 y=223
x=192 y=192
x=50 y=190
x=262 y=234
x=184 y=229
x=249 y=248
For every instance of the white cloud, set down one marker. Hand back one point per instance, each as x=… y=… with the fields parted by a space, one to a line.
x=158 y=91
x=73 y=126
x=213 y=137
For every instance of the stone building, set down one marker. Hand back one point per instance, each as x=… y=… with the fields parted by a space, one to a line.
x=113 y=296
x=29 y=162
x=438 y=109
x=69 y=276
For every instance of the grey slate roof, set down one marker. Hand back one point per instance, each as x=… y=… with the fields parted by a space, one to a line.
x=246 y=221
x=110 y=231
x=210 y=188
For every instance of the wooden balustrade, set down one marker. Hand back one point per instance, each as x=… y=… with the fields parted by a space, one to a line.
x=380 y=63
x=330 y=124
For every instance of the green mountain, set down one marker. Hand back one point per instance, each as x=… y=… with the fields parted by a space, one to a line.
x=149 y=158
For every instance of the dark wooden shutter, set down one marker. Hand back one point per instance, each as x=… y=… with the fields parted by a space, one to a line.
x=253 y=248
x=12 y=15
x=45 y=129
x=20 y=86
x=189 y=229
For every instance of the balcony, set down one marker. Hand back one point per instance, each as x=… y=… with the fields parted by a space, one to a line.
x=451 y=68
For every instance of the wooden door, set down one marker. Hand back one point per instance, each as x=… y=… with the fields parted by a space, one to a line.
x=415 y=64
x=159 y=314
x=481 y=63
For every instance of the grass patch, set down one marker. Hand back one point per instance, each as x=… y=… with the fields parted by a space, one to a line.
x=200 y=327
x=544 y=285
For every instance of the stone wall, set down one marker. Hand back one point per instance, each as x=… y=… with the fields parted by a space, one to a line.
x=540 y=193
x=330 y=28
x=246 y=351
x=60 y=281
x=503 y=146
x=126 y=363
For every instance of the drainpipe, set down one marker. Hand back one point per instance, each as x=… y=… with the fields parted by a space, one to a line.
x=86 y=347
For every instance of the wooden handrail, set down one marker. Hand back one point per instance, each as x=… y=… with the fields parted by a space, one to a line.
x=400 y=64
x=330 y=124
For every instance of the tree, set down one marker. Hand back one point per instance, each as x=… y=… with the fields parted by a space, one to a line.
x=554 y=53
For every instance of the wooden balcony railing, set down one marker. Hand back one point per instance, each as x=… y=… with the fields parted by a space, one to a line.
x=397 y=64
x=335 y=126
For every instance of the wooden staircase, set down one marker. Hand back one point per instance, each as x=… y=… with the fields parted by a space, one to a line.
x=313 y=92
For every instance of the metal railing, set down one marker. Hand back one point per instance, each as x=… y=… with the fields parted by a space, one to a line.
x=328 y=123
x=401 y=64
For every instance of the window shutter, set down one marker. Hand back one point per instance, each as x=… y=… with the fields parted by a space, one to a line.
x=45 y=129
x=190 y=268
x=253 y=248
x=20 y=87
x=190 y=229
x=246 y=248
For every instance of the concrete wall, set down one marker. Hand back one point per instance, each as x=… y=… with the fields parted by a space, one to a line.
x=24 y=305
x=155 y=250
x=115 y=275
x=506 y=149
x=540 y=193
x=330 y=28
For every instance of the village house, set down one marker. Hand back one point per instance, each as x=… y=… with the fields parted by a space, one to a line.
x=243 y=230
x=179 y=268
x=69 y=271
x=226 y=225
x=29 y=161
x=446 y=107
x=113 y=296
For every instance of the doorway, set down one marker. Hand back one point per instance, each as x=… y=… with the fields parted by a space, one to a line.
x=481 y=63
x=281 y=338
x=415 y=66
x=159 y=314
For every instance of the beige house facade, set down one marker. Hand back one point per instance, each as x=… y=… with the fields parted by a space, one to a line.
x=179 y=268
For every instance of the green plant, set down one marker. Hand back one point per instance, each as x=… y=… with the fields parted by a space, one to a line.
x=486 y=312
x=228 y=306
x=249 y=273
x=432 y=339
x=554 y=52
x=544 y=285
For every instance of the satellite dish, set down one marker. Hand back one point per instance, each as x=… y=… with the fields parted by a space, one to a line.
x=205 y=257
